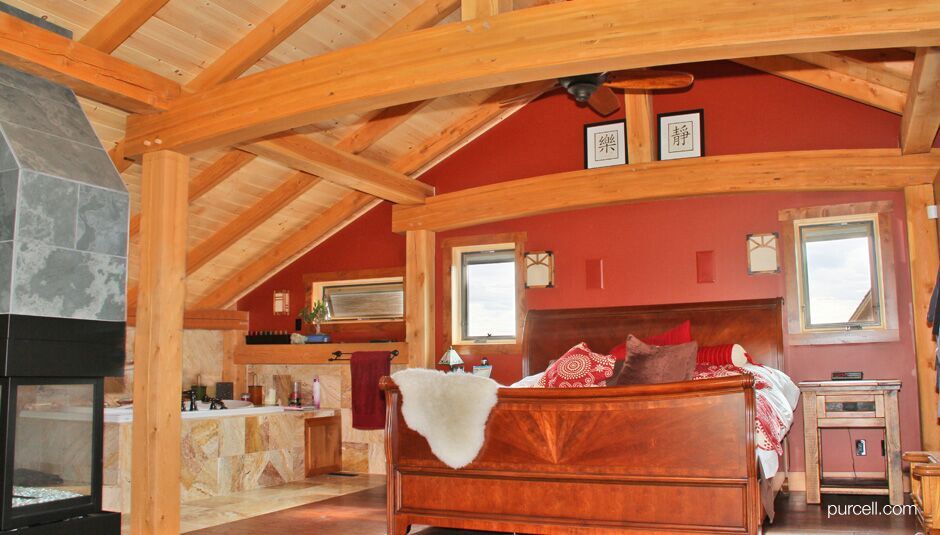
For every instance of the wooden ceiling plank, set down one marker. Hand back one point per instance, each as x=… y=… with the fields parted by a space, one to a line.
x=303 y=153
x=374 y=128
x=921 y=118
x=210 y=176
x=828 y=80
x=301 y=240
x=824 y=170
x=424 y=16
x=83 y=69
x=872 y=72
x=264 y=38
x=560 y=39
x=474 y=9
x=120 y=23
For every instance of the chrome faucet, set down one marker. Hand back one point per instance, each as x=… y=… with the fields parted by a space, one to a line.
x=192 y=401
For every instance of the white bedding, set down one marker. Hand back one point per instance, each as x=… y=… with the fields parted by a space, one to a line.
x=783 y=395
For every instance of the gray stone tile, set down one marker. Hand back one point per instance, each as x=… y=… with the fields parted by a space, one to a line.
x=50 y=281
x=54 y=117
x=7 y=161
x=102 y=220
x=6 y=263
x=61 y=157
x=8 y=185
x=36 y=86
x=46 y=209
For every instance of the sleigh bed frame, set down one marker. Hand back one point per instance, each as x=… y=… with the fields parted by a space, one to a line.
x=669 y=458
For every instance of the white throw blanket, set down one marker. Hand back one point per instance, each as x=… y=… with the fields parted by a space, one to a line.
x=449 y=410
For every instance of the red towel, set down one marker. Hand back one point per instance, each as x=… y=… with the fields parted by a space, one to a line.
x=368 y=402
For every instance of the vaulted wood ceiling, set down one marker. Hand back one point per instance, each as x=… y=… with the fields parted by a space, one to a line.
x=256 y=207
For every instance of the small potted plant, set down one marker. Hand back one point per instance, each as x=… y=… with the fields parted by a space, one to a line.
x=314 y=314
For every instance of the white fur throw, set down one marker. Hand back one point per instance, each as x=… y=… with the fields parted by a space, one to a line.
x=449 y=410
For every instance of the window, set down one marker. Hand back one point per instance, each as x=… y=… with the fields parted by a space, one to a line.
x=365 y=295
x=485 y=303
x=839 y=264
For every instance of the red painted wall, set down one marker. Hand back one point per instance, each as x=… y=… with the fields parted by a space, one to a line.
x=649 y=249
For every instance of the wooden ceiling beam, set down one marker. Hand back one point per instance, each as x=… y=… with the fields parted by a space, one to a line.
x=560 y=39
x=210 y=176
x=921 y=118
x=872 y=72
x=641 y=128
x=474 y=9
x=828 y=80
x=355 y=172
x=120 y=23
x=264 y=38
x=825 y=170
x=89 y=72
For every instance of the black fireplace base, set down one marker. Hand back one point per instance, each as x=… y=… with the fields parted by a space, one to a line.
x=105 y=523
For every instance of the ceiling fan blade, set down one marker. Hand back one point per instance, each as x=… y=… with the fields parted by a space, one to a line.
x=604 y=101
x=649 y=79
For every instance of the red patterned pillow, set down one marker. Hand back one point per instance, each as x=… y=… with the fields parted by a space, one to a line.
x=680 y=334
x=724 y=354
x=579 y=367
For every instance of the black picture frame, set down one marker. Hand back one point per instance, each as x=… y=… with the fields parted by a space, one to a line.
x=589 y=126
x=701 y=130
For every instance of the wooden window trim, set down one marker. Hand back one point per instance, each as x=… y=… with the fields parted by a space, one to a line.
x=890 y=332
x=447 y=262
x=329 y=276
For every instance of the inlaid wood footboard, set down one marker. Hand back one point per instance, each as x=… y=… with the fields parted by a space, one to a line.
x=672 y=458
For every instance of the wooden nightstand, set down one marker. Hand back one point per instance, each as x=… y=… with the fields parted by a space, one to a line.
x=851 y=404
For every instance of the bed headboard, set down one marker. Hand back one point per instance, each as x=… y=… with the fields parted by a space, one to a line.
x=755 y=324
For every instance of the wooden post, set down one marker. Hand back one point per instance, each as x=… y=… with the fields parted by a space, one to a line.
x=155 y=456
x=236 y=373
x=641 y=139
x=419 y=297
x=924 y=254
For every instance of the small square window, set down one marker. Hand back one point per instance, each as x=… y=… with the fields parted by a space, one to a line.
x=488 y=295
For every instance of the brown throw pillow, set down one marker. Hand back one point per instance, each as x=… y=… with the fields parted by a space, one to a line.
x=646 y=364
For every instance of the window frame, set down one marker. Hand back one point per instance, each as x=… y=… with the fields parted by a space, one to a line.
x=314 y=283
x=879 y=213
x=453 y=303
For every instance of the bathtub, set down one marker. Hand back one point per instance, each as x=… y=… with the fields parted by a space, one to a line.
x=125 y=414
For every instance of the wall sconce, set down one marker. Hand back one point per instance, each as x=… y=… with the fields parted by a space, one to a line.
x=762 y=253
x=281 y=303
x=540 y=269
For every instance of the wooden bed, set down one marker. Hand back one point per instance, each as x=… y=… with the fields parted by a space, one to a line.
x=671 y=458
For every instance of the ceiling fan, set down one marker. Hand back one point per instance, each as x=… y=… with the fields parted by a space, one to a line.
x=596 y=91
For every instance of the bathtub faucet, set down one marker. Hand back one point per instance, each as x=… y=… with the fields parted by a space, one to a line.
x=216 y=404
x=192 y=400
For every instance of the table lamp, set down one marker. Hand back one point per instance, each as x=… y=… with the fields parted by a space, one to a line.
x=452 y=359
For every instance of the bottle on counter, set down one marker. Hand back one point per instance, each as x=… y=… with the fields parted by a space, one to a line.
x=316 y=393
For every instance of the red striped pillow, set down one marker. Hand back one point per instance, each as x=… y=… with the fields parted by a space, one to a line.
x=680 y=334
x=732 y=354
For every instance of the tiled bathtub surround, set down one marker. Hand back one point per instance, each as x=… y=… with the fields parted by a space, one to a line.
x=220 y=456
x=363 y=451
x=63 y=207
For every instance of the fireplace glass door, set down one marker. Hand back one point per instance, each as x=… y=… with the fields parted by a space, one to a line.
x=53 y=449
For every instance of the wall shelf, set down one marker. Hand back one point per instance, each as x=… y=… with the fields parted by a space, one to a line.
x=311 y=353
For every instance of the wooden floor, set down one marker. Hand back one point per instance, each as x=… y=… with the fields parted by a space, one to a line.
x=363 y=513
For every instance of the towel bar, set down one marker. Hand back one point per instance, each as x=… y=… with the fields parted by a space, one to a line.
x=338 y=355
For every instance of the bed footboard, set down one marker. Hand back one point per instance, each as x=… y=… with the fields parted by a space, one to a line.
x=673 y=458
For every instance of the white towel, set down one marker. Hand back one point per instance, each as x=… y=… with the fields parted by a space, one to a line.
x=449 y=410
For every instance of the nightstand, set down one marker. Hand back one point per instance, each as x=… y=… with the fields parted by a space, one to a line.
x=851 y=404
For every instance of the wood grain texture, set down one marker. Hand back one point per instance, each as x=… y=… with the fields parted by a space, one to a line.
x=323 y=451
x=212 y=320
x=921 y=117
x=340 y=167
x=601 y=459
x=83 y=69
x=925 y=488
x=561 y=39
x=120 y=23
x=155 y=456
x=821 y=170
x=924 y=257
x=419 y=297
x=874 y=71
x=832 y=81
x=641 y=137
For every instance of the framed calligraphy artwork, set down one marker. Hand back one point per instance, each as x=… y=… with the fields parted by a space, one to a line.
x=605 y=144
x=681 y=134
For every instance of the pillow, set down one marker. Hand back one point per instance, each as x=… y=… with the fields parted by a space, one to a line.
x=680 y=334
x=579 y=367
x=724 y=354
x=649 y=364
